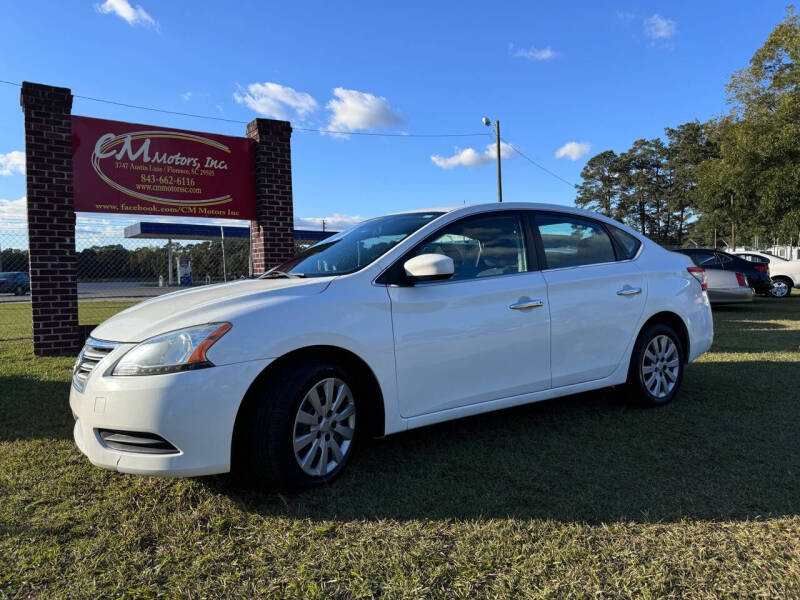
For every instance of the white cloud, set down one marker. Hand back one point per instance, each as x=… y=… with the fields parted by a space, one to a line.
x=335 y=222
x=13 y=162
x=469 y=157
x=353 y=110
x=659 y=28
x=123 y=9
x=275 y=100
x=573 y=150
x=14 y=215
x=625 y=16
x=187 y=96
x=532 y=53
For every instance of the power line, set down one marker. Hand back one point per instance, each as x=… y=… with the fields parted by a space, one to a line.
x=545 y=169
x=160 y=110
x=413 y=135
x=306 y=129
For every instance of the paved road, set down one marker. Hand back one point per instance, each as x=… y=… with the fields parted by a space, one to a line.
x=112 y=290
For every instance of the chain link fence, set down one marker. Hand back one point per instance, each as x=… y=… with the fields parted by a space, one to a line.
x=115 y=269
x=115 y=272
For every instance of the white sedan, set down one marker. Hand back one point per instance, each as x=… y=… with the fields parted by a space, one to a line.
x=785 y=274
x=399 y=322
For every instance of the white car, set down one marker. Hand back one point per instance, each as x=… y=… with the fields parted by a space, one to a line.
x=785 y=274
x=399 y=322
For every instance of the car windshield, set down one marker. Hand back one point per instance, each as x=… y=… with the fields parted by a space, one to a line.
x=353 y=248
x=772 y=256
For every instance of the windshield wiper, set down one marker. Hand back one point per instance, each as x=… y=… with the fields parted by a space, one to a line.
x=275 y=274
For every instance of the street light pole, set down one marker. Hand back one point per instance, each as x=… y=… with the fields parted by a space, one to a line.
x=499 y=177
x=488 y=123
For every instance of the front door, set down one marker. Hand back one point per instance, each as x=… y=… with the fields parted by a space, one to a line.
x=482 y=335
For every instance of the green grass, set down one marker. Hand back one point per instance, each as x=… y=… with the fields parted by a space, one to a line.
x=15 y=317
x=578 y=497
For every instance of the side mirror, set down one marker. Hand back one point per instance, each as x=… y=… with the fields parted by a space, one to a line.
x=429 y=267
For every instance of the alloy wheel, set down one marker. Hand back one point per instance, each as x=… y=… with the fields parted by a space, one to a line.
x=324 y=427
x=779 y=289
x=660 y=366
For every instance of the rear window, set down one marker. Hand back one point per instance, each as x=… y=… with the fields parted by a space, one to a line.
x=628 y=244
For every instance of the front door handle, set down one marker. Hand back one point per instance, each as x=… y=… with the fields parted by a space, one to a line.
x=629 y=291
x=526 y=304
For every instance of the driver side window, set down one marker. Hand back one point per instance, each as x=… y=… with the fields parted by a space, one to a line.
x=481 y=247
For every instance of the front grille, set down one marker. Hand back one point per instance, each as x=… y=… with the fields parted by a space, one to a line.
x=136 y=441
x=93 y=352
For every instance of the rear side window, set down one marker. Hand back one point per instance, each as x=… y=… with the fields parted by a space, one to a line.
x=703 y=258
x=572 y=241
x=628 y=244
x=723 y=258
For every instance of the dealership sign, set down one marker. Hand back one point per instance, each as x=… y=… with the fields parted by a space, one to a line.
x=130 y=168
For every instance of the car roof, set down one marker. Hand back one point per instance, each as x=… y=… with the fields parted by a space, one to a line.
x=470 y=209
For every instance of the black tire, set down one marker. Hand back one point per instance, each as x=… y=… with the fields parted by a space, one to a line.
x=637 y=386
x=266 y=453
x=783 y=289
x=19 y=291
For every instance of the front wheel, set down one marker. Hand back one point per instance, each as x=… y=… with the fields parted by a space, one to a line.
x=19 y=291
x=781 y=288
x=303 y=426
x=656 y=371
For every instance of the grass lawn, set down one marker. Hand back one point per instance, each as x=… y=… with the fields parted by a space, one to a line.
x=578 y=497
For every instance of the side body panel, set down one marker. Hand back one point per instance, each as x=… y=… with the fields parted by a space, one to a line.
x=594 y=315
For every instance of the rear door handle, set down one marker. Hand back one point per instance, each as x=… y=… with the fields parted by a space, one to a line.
x=629 y=291
x=526 y=304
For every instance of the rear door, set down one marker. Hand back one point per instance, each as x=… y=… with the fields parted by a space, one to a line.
x=595 y=300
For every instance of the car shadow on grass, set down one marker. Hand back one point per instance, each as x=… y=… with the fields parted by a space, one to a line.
x=32 y=408
x=725 y=449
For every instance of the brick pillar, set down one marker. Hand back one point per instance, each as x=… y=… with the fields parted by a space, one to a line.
x=272 y=232
x=51 y=218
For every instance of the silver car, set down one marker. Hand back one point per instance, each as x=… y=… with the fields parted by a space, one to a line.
x=727 y=287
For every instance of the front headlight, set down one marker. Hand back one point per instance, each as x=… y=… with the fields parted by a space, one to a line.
x=181 y=350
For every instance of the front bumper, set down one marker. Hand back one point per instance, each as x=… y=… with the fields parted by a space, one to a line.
x=195 y=411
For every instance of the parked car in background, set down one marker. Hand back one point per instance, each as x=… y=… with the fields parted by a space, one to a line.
x=398 y=322
x=727 y=287
x=785 y=274
x=15 y=282
x=757 y=274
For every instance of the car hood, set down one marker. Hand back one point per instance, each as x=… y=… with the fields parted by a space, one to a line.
x=205 y=304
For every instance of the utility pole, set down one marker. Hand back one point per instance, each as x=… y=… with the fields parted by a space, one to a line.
x=488 y=123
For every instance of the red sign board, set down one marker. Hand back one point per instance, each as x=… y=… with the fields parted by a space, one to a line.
x=130 y=168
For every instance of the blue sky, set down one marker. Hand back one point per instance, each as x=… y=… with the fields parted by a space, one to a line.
x=580 y=76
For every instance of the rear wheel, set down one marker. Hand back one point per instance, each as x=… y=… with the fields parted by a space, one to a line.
x=656 y=371
x=302 y=427
x=19 y=290
x=781 y=287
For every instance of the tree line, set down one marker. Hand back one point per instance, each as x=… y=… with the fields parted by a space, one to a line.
x=116 y=262
x=736 y=176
